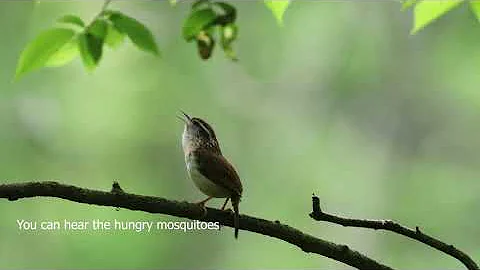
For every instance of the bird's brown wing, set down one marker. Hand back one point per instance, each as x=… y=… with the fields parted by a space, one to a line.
x=216 y=168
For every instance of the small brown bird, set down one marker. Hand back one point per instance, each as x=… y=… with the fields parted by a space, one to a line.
x=207 y=167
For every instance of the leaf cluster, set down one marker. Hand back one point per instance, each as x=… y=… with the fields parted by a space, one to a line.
x=206 y=19
x=207 y=23
x=73 y=37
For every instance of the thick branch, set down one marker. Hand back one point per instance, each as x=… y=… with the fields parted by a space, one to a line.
x=118 y=198
x=392 y=226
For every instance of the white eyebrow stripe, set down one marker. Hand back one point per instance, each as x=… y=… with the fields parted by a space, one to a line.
x=204 y=128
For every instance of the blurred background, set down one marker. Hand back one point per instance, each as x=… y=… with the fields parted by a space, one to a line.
x=340 y=101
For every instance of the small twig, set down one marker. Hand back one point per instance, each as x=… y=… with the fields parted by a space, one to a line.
x=120 y=199
x=105 y=5
x=101 y=13
x=392 y=226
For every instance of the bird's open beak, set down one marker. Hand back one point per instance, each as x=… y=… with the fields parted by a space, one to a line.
x=185 y=118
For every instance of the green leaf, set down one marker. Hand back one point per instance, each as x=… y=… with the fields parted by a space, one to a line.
x=475 y=6
x=197 y=21
x=426 y=11
x=229 y=16
x=90 y=47
x=173 y=2
x=230 y=53
x=64 y=55
x=114 y=37
x=37 y=52
x=229 y=34
x=226 y=7
x=278 y=8
x=406 y=4
x=199 y=4
x=99 y=28
x=136 y=31
x=72 y=19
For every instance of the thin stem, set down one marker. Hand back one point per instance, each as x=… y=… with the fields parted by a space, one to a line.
x=105 y=5
x=102 y=10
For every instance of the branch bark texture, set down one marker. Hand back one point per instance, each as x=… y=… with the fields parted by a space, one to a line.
x=392 y=226
x=118 y=198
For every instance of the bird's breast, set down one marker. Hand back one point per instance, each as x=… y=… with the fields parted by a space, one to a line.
x=207 y=186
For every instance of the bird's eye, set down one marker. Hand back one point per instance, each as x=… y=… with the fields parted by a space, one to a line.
x=203 y=127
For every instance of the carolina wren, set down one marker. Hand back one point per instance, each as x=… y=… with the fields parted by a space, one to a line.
x=207 y=167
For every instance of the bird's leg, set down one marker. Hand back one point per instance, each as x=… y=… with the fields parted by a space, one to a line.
x=202 y=204
x=223 y=207
x=225 y=204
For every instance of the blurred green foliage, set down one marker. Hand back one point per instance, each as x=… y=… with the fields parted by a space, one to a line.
x=58 y=46
x=427 y=11
x=339 y=101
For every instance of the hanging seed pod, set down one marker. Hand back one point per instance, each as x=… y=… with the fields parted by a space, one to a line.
x=205 y=44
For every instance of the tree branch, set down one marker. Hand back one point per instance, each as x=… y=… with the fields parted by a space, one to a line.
x=392 y=226
x=118 y=198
